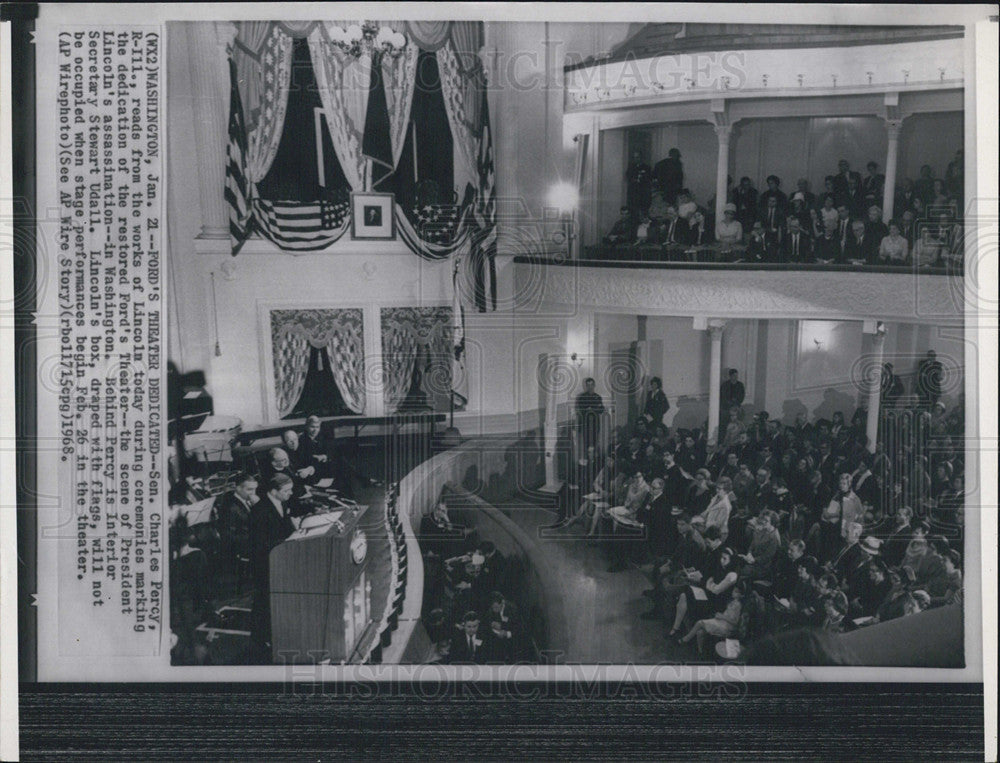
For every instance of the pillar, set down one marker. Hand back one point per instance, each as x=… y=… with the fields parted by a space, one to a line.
x=723 y=132
x=210 y=107
x=891 y=158
x=875 y=386
x=550 y=428
x=714 y=382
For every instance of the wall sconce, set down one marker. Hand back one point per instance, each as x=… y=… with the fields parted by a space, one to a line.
x=577 y=360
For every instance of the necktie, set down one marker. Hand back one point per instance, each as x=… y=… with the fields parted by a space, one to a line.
x=771 y=218
x=795 y=245
x=670 y=236
x=472 y=646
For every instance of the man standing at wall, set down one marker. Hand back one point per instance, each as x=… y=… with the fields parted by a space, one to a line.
x=589 y=410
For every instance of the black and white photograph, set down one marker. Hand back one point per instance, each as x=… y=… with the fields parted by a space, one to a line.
x=406 y=343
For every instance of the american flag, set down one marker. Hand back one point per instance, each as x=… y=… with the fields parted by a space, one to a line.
x=438 y=223
x=237 y=187
x=459 y=379
x=302 y=225
x=484 y=217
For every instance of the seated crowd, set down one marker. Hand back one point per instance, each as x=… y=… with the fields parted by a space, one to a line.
x=469 y=610
x=841 y=225
x=784 y=526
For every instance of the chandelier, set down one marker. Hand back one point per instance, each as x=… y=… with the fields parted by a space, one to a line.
x=368 y=37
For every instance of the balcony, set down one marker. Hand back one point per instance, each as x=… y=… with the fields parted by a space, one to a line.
x=555 y=286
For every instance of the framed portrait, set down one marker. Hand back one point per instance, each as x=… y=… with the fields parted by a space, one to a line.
x=371 y=216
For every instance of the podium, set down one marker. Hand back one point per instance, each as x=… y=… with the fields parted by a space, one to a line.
x=320 y=589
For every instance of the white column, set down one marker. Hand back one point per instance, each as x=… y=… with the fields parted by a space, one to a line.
x=551 y=428
x=210 y=106
x=723 y=131
x=875 y=388
x=889 y=194
x=714 y=382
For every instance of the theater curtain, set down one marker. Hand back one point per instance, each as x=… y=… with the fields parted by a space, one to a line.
x=463 y=132
x=405 y=330
x=343 y=83
x=291 y=364
x=262 y=52
x=340 y=331
x=399 y=76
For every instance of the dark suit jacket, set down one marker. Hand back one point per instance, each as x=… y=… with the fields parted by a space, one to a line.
x=695 y=236
x=462 y=653
x=232 y=519
x=309 y=448
x=866 y=249
x=805 y=250
x=874 y=185
x=269 y=527
x=659 y=524
x=656 y=406
x=828 y=249
x=675 y=231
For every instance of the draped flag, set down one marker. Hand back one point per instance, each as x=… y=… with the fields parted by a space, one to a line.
x=484 y=218
x=459 y=379
x=237 y=191
x=376 y=144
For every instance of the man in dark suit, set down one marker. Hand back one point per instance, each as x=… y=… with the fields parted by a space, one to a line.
x=270 y=525
x=438 y=535
x=855 y=199
x=796 y=246
x=860 y=245
x=773 y=192
x=668 y=175
x=676 y=228
x=873 y=184
x=623 y=231
x=231 y=515
x=297 y=459
x=468 y=646
x=656 y=517
x=876 y=228
x=494 y=573
x=506 y=635
x=314 y=445
x=772 y=214
x=842 y=180
x=279 y=462
x=732 y=393
x=656 y=405
x=745 y=199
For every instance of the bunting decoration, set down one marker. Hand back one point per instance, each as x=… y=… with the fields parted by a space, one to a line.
x=459 y=379
x=237 y=186
x=484 y=218
x=366 y=103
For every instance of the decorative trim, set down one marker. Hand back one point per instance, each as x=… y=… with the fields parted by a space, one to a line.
x=840 y=294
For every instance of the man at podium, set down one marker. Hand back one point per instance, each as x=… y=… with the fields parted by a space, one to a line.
x=270 y=525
